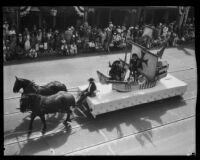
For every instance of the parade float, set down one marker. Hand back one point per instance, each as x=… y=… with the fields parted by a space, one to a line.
x=153 y=83
x=130 y=84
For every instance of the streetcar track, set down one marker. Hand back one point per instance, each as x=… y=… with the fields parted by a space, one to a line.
x=189 y=68
x=73 y=127
x=139 y=132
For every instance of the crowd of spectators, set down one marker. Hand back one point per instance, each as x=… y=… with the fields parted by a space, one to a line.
x=84 y=38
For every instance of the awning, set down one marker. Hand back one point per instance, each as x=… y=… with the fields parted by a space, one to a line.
x=161 y=7
x=35 y=9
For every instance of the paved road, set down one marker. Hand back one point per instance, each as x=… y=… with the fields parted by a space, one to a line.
x=164 y=127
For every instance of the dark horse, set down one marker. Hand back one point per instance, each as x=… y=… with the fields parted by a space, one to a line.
x=30 y=87
x=40 y=105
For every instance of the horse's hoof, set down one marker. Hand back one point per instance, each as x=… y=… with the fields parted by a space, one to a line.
x=43 y=131
x=67 y=124
x=29 y=133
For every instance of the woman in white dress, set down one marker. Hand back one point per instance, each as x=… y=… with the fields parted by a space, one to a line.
x=27 y=43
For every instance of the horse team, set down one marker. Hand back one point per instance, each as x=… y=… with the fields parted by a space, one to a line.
x=40 y=100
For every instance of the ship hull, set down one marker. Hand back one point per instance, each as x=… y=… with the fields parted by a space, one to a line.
x=125 y=86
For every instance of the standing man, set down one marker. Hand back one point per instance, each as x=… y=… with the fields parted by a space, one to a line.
x=109 y=36
x=134 y=66
x=90 y=91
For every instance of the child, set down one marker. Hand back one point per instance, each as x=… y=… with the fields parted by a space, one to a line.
x=175 y=39
x=73 y=48
x=45 y=42
x=64 y=48
x=4 y=51
x=32 y=53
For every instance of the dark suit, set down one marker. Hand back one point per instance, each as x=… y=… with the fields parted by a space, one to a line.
x=133 y=68
x=87 y=92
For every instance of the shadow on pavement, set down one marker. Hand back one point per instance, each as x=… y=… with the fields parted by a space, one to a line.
x=33 y=146
x=52 y=122
x=184 y=47
x=138 y=117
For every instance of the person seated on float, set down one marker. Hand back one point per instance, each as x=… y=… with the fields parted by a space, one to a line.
x=134 y=66
x=90 y=91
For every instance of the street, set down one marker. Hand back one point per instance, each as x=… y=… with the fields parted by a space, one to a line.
x=165 y=127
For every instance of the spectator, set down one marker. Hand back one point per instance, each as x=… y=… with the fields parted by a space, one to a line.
x=20 y=46
x=68 y=36
x=34 y=29
x=73 y=48
x=39 y=41
x=45 y=42
x=50 y=40
x=6 y=26
x=57 y=42
x=27 y=44
x=12 y=31
x=64 y=47
x=4 y=51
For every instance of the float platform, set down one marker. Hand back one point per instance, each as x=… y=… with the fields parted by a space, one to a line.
x=107 y=100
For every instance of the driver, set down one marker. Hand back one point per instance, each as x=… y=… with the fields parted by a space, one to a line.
x=90 y=91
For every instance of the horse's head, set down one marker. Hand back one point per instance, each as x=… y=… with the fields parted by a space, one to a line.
x=18 y=85
x=22 y=83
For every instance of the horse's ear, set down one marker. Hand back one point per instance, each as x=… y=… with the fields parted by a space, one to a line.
x=16 y=77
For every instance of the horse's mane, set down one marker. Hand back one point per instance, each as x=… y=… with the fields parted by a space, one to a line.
x=28 y=82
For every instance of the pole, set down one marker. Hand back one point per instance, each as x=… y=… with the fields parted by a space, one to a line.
x=125 y=51
x=17 y=20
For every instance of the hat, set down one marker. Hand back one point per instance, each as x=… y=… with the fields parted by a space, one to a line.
x=91 y=79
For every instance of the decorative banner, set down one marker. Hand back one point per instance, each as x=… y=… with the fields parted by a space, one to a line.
x=181 y=10
x=91 y=10
x=53 y=12
x=134 y=10
x=24 y=10
x=136 y=50
x=79 y=10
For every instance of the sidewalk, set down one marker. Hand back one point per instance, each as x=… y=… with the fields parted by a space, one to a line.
x=49 y=57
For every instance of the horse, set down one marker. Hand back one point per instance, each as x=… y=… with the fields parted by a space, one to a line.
x=30 y=87
x=40 y=105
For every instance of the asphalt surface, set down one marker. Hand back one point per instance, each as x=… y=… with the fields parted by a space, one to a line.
x=165 y=127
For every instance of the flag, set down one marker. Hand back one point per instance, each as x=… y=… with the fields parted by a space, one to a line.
x=91 y=10
x=136 y=50
x=79 y=10
x=148 y=31
x=24 y=10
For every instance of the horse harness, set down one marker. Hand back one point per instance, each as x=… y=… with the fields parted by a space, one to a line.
x=33 y=86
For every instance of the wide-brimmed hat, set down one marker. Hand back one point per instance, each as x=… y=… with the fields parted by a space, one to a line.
x=91 y=79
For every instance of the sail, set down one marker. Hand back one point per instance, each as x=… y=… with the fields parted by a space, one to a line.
x=148 y=61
